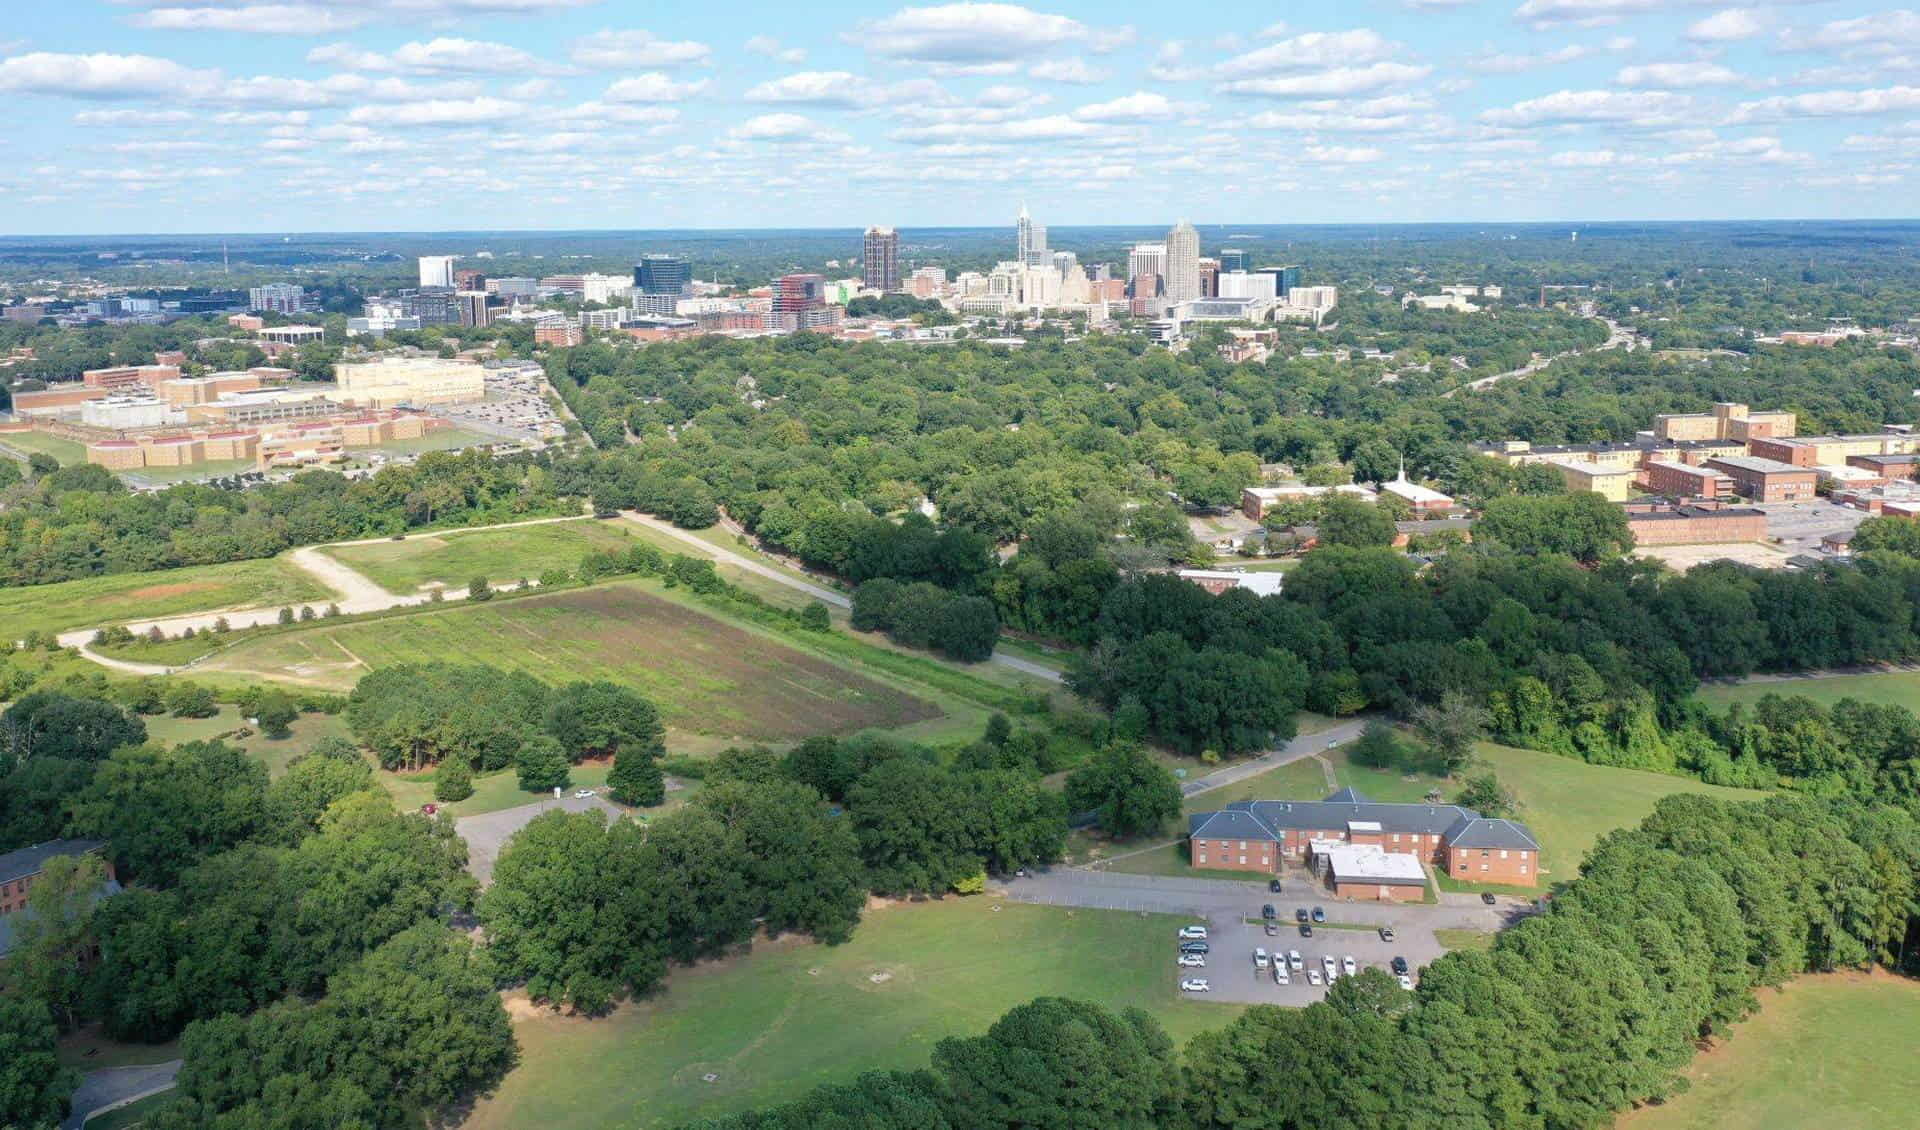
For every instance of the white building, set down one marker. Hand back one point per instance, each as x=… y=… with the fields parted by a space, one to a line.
x=604 y=288
x=1030 y=240
x=1183 y=263
x=1243 y=284
x=121 y=413
x=276 y=298
x=1147 y=269
x=436 y=270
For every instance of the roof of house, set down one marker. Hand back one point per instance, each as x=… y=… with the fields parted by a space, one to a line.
x=26 y=861
x=1757 y=465
x=1269 y=819
x=10 y=923
x=1370 y=863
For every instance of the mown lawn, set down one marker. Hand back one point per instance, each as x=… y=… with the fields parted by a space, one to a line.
x=502 y=556
x=792 y=1015
x=1892 y=688
x=307 y=731
x=1835 y=1050
x=94 y=601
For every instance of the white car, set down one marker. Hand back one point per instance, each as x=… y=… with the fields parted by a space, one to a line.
x=583 y=794
x=1313 y=976
x=1193 y=960
x=1260 y=958
x=1194 y=985
x=1406 y=982
x=1332 y=971
x=1193 y=933
x=1280 y=974
x=1293 y=961
x=1347 y=967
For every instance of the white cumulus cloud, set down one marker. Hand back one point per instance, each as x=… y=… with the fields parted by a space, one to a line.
x=653 y=87
x=1728 y=26
x=255 y=19
x=610 y=50
x=968 y=33
x=1670 y=76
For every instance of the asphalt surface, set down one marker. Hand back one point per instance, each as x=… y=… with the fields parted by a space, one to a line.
x=489 y=832
x=1224 y=906
x=1306 y=745
x=1800 y=526
x=111 y=1088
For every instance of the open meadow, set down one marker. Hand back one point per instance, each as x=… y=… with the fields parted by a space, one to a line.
x=455 y=557
x=1827 y=1050
x=93 y=601
x=791 y=1014
x=1888 y=688
x=709 y=677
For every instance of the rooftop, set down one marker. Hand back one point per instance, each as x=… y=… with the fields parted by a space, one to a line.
x=1269 y=819
x=1759 y=466
x=1371 y=863
x=23 y=862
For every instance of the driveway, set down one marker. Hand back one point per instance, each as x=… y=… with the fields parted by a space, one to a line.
x=1306 y=745
x=111 y=1088
x=488 y=832
x=1226 y=905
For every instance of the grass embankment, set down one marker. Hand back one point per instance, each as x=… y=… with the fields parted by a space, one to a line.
x=95 y=601
x=1891 y=688
x=68 y=452
x=1834 y=1050
x=453 y=558
x=1568 y=804
x=793 y=1015
x=710 y=677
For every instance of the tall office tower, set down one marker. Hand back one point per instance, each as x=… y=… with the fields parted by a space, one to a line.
x=1209 y=278
x=1284 y=279
x=1065 y=262
x=1234 y=259
x=880 y=260
x=1030 y=240
x=663 y=274
x=436 y=270
x=1183 y=263
x=276 y=298
x=474 y=310
x=1146 y=267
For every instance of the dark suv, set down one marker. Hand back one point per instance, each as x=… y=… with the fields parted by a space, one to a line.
x=1300 y=914
x=1267 y=911
x=1319 y=915
x=1400 y=965
x=1194 y=947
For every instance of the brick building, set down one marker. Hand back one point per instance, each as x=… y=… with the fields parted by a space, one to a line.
x=1886 y=466
x=1681 y=480
x=18 y=869
x=1728 y=420
x=1767 y=480
x=1260 y=836
x=1694 y=524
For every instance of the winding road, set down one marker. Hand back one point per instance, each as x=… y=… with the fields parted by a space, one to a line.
x=111 y=1088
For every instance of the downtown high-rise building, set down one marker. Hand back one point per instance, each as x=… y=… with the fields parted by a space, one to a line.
x=880 y=260
x=663 y=274
x=277 y=298
x=1146 y=269
x=436 y=271
x=1234 y=259
x=1030 y=240
x=1183 y=263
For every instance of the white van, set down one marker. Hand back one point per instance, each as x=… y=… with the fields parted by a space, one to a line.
x=1260 y=958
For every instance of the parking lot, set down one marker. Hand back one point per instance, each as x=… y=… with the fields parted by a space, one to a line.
x=1800 y=526
x=1231 y=912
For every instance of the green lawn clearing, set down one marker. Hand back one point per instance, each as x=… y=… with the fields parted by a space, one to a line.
x=134 y=1115
x=1891 y=688
x=68 y=452
x=192 y=472
x=792 y=1015
x=94 y=601
x=1834 y=1050
x=228 y=726
x=1464 y=939
x=454 y=558
x=710 y=677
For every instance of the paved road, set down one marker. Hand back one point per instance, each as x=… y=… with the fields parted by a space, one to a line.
x=111 y=1088
x=1306 y=745
x=350 y=589
x=1616 y=338
x=488 y=832
x=818 y=592
x=1224 y=905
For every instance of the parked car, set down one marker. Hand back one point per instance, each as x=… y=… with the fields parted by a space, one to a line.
x=1313 y=977
x=583 y=794
x=1193 y=960
x=1267 y=911
x=1328 y=967
x=1319 y=915
x=1399 y=965
x=1273 y=885
x=1487 y=897
x=1280 y=973
x=1386 y=933
x=1293 y=961
x=1194 y=985
x=1299 y=914
x=1306 y=931
x=1194 y=947
x=1347 y=967
x=1273 y=931
x=1406 y=982
x=1193 y=932
x=1260 y=957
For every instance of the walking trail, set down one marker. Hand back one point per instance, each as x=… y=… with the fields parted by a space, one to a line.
x=111 y=1088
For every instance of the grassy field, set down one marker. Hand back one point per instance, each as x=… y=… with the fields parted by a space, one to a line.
x=709 y=677
x=1832 y=1050
x=501 y=556
x=1893 y=688
x=307 y=731
x=67 y=451
x=793 y=1015
x=210 y=469
x=133 y=1116
x=93 y=601
x=1568 y=804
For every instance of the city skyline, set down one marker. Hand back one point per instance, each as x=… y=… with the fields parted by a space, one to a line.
x=571 y=114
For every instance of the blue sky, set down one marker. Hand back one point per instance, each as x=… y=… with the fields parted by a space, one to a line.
x=307 y=115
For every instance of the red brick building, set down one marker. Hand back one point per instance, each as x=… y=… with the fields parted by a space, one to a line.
x=1261 y=836
x=1694 y=524
x=1767 y=480
x=18 y=869
x=1683 y=480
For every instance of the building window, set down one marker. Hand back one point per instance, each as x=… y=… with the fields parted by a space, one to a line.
x=1203 y=857
x=1484 y=867
x=1243 y=845
x=1243 y=861
x=1396 y=837
x=1503 y=853
x=1484 y=853
x=1523 y=869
